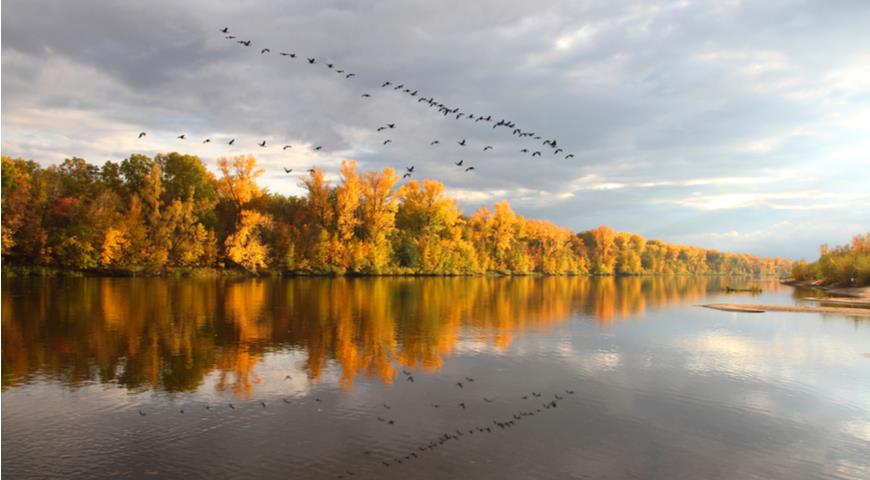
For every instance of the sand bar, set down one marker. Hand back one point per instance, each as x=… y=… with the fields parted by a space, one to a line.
x=751 y=308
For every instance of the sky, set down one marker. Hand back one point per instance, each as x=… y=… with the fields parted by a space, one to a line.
x=736 y=125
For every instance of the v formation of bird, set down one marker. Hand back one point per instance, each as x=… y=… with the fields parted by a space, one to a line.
x=440 y=108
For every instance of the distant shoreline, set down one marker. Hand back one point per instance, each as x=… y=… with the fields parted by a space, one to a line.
x=211 y=272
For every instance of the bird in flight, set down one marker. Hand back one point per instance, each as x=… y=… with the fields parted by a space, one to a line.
x=406 y=176
x=462 y=143
x=265 y=50
x=410 y=169
x=536 y=153
x=387 y=141
x=469 y=169
x=350 y=75
x=385 y=84
x=488 y=147
x=329 y=65
x=365 y=95
x=142 y=134
x=459 y=163
x=207 y=140
x=287 y=146
x=556 y=152
x=311 y=170
x=287 y=170
x=180 y=137
x=570 y=155
x=246 y=43
x=262 y=144
x=230 y=37
x=381 y=128
x=225 y=30
x=231 y=142
x=525 y=150
x=317 y=147
x=391 y=125
x=311 y=61
x=434 y=142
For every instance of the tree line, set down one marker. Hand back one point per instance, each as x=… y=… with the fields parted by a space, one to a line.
x=168 y=213
x=845 y=264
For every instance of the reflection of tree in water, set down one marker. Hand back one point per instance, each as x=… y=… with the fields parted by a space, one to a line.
x=169 y=334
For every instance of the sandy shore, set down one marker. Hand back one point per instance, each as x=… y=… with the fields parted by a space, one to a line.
x=751 y=308
x=855 y=292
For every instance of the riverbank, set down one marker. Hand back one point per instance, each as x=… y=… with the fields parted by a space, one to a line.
x=833 y=289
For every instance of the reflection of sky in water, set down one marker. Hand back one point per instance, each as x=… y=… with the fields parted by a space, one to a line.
x=664 y=389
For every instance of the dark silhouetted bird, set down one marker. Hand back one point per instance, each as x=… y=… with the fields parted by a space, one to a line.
x=391 y=125
x=462 y=404
x=459 y=384
x=387 y=406
x=365 y=95
x=262 y=144
x=488 y=147
x=434 y=142
x=263 y=404
x=387 y=141
x=381 y=128
x=287 y=54
x=536 y=153
x=525 y=150
x=311 y=170
x=311 y=61
x=406 y=372
x=487 y=400
x=181 y=137
x=410 y=169
x=569 y=392
x=230 y=37
x=225 y=30
x=287 y=170
x=469 y=169
x=285 y=400
x=410 y=379
x=459 y=163
x=265 y=50
x=570 y=155
x=339 y=71
x=469 y=379
x=142 y=134
x=329 y=65
x=462 y=143
x=232 y=406
x=246 y=43
x=556 y=151
x=141 y=413
x=385 y=84
x=207 y=140
x=286 y=147
x=350 y=75
x=317 y=147
x=231 y=142
x=407 y=175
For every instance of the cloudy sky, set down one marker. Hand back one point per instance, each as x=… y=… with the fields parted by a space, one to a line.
x=738 y=125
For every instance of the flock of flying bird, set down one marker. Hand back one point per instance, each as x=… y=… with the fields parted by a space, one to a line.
x=456 y=434
x=437 y=106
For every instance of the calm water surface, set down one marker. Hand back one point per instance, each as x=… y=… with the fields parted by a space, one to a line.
x=310 y=378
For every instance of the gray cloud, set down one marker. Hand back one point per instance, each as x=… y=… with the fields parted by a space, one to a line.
x=664 y=104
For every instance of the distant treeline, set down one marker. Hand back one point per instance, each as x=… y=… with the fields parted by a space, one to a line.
x=845 y=265
x=168 y=213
